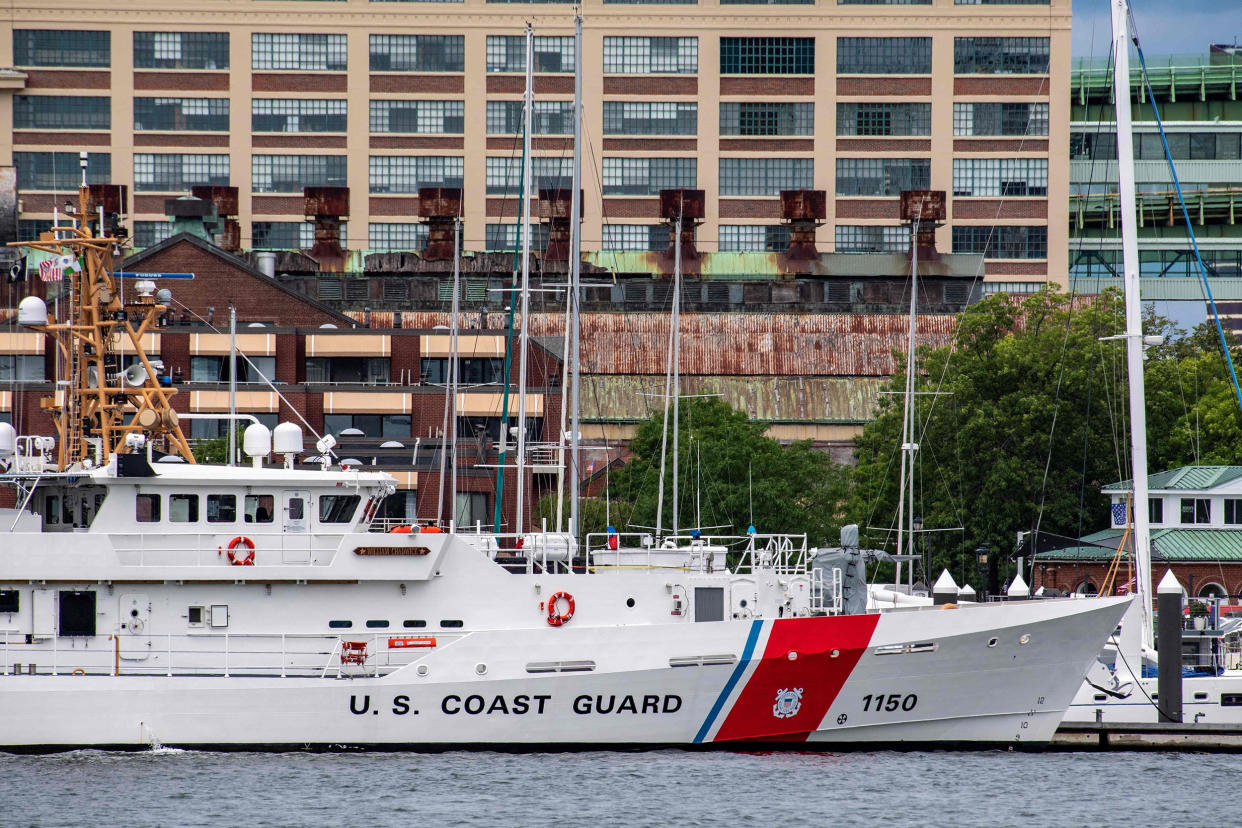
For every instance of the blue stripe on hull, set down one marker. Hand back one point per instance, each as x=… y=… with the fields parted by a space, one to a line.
x=742 y=664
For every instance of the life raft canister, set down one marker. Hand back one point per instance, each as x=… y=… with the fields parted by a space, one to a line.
x=241 y=551
x=556 y=618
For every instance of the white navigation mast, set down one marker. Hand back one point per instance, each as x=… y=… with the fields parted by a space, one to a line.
x=528 y=102
x=1134 y=311
x=575 y=287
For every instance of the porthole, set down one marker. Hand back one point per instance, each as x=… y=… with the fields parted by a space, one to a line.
x=377 y=624
x=992 y=642
x=481 y=669
x=414 y=623
x=452 y=623
x=629 y=602
x=422 y=669
x=1025 y=639
x=742 y=603
x=340 y=625
x=834 y=654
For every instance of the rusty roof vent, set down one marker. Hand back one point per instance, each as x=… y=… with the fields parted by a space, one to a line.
x=227 y=231
x=554 y=209
x=327 y=206
x=189 y=215
x=113 y=198
x=691 y=207
x=439 y=206
x=925 y=210
x=803 y=211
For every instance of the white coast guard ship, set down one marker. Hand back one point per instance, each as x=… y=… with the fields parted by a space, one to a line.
x=147 y=602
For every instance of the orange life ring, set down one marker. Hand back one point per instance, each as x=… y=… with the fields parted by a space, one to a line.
x=556 y=618
x=236 y=558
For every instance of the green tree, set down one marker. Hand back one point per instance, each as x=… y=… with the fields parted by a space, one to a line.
x=727 y=463
x=1030 y=420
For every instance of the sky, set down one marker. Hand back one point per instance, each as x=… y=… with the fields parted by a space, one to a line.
x=1164 y=26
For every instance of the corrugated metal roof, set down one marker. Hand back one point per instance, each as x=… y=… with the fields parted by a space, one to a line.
x=741 y=344
x=776 y=399
x=1173 y=545
x=1183 y=479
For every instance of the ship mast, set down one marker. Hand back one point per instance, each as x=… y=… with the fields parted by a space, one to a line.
x=98 y=401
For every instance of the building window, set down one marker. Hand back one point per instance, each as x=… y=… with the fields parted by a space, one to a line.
x=291 y=173
x=216 y=369
x=884 y=55
x=871 y=238
x=1002 y=242
x=178 y=173
x=21 y=368
x=651 y=55
x=298 y=115
x=1155 y=510
x=999 y=177
x=507 y=53
x=60 y=171
x=765 y=176
x=355 y=370
x=59 y=47
x=215 y=429
x=62 y=112
x=420 y=117
x=418 y=53
x=1196 y=510
x=181 y=50
x=882 y=176
x=1000 y=55
x=883 y=119
x=283 y=235
x=382 y=236
x=490 y=427
x=305 y=52
x=471 y=370
x=504 y=237
x=651 y=118
x=1233 y=511
x=767 y=55
x=756 y=118
x=372 y=425
x=636 y=237
x=181 y=114
x=151 y=233
x=406 y=173
x=504 y=175
x=772 y=238
x=549 y=117
x=1000 y=119
x=31 y=229
x=472 y=509
x=647 y=176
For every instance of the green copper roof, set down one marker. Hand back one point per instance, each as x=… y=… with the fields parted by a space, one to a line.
x=1173 y=545
x=1185 y=478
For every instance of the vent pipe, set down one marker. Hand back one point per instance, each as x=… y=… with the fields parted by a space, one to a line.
x=326 y=206
x=439 y=206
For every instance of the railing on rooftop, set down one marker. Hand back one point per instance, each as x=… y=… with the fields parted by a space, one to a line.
x=1195 y=74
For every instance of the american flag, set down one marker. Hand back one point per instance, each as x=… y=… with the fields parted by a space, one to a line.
x=1119 y=514
x=1124 y=589
x=50 y=270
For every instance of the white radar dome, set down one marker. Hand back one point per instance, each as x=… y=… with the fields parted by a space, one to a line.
x=32 y=311
x=257 y=440
x=8 y=440
x=287 y=439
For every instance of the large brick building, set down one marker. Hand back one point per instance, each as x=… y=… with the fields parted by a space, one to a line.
x=739 y=98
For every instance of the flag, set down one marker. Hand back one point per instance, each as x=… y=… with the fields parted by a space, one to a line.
x=17 y=273
x=70 y=264
x=50 y=270
x=1124 y=589
x=1119 y=514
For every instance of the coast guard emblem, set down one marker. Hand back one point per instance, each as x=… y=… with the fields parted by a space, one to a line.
x=788 y=703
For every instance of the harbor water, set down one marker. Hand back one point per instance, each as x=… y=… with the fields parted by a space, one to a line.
x=659 y=788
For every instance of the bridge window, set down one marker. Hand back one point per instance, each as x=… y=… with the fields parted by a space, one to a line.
x=183 y=508
x=222 y=508
x=147 y=508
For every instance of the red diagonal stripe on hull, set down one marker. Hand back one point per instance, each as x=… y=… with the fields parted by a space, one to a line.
x=818 y=675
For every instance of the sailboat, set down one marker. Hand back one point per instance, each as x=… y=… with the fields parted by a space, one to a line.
x=1122 y=687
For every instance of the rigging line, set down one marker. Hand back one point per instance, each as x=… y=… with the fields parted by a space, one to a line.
x=1056 y=410
x=1177 y=185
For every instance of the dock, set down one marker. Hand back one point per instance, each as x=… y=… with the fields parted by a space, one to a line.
x=1180 y=736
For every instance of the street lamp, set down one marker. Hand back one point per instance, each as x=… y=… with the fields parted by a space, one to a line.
x=981 y=561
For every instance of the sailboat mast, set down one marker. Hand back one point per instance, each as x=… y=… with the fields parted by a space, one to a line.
x=524 y=338
x=1134 y=310
x=575 y=291
x=907 y=414
x=676 y=385
x=454 y=325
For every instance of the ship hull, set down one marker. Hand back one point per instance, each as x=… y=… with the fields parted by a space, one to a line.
x=984 y=675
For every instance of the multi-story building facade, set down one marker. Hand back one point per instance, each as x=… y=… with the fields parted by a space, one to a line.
x=1197 y=96
x=743 y=99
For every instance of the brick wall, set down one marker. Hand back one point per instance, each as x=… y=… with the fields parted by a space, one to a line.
x=660 y=85
x=883 y=145
x=43 y=139
x=984 y=208
x=183 y=81
x=301 y=82
x=181 y=139
x=423 y=83
x=999 y=85
x=415 y=142
x=69 y=79
x=753 y=208
x=763 y=86
x=877 y=208
x=885 y=86
x=298 y=142
x=1068 y=576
